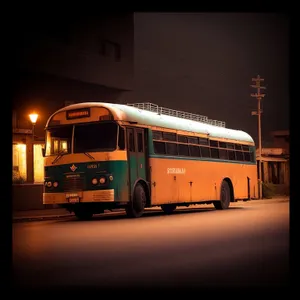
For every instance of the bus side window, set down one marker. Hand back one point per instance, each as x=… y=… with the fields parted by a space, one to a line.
x=159 y=147
x=121 y=142
x=171 y=148
x=205 y=151
x=131 y=142
x=140 y=142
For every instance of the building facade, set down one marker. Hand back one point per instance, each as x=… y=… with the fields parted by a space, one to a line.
x=60 y=63
x=275 y=164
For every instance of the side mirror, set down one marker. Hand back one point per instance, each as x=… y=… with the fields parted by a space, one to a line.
x=43 y=151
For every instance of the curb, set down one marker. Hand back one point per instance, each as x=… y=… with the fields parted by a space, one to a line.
x=40 y=218
x=54 y=217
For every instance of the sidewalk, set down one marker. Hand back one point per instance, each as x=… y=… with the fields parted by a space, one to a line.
x=54 y=213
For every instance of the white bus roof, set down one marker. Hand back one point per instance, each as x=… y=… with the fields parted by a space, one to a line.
x=144 y=117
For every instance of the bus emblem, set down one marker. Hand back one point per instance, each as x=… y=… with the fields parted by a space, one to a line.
x=73 y=168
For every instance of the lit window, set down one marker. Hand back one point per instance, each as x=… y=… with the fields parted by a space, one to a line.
x=63 y=145
x=19 y=163
x=38 y=163
x=55 y=146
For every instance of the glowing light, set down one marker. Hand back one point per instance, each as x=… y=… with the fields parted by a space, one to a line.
x=33 y=118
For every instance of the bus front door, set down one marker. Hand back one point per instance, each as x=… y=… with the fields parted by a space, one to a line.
x=136 y=155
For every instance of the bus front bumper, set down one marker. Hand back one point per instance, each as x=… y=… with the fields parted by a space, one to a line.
x=82 y=197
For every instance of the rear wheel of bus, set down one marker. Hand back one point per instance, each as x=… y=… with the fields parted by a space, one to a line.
x=137 y=205
x=225 y=197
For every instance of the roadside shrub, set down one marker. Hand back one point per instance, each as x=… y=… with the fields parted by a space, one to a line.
x=17 y=178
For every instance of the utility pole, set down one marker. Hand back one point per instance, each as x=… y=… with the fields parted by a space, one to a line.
x=258 y=113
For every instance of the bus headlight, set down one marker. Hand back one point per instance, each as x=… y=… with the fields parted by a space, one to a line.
x=111 y=178
x=102 y=180
x=49 y=184
x=94 y=181
x=55 y=184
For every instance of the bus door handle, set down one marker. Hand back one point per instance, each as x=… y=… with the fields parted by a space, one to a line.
x=191 y=182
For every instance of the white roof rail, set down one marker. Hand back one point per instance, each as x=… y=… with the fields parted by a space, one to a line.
x=176 y=113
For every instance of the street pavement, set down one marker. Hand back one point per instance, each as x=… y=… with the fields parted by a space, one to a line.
x=54 y=213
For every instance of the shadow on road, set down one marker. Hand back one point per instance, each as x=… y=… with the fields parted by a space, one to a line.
x=120 y=215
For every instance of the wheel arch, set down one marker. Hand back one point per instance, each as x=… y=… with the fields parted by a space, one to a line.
x=146 y=188
x=228 y=180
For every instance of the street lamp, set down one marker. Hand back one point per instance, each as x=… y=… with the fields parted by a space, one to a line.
x=33 y=118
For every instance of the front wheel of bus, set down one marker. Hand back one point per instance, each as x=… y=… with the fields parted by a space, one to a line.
x=135 y=208
x=225 y=197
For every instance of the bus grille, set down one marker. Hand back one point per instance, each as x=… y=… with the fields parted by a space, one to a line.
x=73 y=183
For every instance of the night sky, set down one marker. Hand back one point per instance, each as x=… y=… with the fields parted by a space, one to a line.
x=204 y=63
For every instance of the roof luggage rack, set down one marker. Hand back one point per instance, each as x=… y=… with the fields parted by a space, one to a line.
x=176 y=113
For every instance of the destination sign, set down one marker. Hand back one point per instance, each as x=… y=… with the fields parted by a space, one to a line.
x=78 y=113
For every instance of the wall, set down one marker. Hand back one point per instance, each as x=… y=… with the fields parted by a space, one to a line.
x=33 y=199
x=94 y=50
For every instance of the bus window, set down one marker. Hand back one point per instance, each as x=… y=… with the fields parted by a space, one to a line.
x=194 y=150
x=95 y=137
x=214 y=152
x=131 y=147
x=239 y=155
x=192 y=140
x=171 y=148
x=222 y=145
x=214 y=143
x=157 y=135
x=183 y=149
x=247 y=156
x=231 y=154
x=159 y=147
x=230 y=145
x=168 y=136
x=140 y=142
x=121 y=142
x=182 y=139
x=58 y=139
x=205 y=151
x=223 y=154
x=203 y=141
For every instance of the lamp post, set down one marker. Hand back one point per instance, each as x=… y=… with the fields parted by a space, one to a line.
x=33 y=118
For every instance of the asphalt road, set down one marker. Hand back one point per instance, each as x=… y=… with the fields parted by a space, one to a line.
x=244 y=246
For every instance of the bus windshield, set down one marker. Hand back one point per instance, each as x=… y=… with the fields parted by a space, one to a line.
x=95 y=137
x=58 y=140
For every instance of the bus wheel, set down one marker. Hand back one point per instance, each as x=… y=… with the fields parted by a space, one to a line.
x=168 y=208
x=135 y=208
x=225 y=197
x=83 y=214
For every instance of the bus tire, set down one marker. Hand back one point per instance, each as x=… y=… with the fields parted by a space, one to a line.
x=168 y=208
x=83 y=214
x=135 y=208
x=224 y=197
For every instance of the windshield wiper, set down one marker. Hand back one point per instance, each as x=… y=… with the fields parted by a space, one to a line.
x=59 y=155
x=89 y=155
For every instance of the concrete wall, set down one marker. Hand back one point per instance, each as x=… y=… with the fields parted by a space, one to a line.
x=28 y=197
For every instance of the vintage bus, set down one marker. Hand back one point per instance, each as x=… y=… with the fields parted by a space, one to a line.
x=102 y=156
